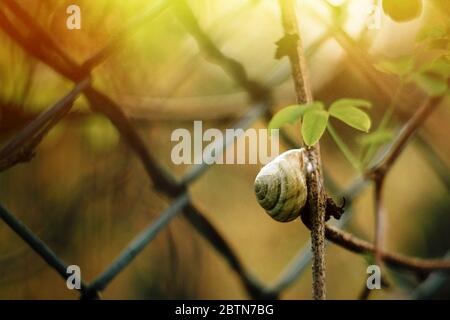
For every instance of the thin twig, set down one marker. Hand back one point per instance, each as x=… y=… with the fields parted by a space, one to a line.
x=406 y=134
x=232 y=67
x=379 y=220
x=379 y=172
x=316 y=192
x=22 y=145
x=356 y=245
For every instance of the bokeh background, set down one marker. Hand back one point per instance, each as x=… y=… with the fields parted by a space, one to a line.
x=86 y=194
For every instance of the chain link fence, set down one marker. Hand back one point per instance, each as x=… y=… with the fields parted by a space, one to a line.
x=38 y=43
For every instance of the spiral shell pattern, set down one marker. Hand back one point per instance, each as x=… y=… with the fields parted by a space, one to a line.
x=280 y=186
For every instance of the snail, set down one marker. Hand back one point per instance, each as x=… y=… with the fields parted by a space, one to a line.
x=281 y=188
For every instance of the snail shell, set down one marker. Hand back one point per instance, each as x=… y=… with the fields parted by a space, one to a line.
x=280 y=186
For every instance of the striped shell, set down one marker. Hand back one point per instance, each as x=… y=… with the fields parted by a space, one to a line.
x=280 y=186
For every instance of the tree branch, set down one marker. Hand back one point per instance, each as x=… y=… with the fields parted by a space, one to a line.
x=407 y=132
x=21 y=147
x=356 y=245
x=316 y=193
x=232 y=67
x=379 y=171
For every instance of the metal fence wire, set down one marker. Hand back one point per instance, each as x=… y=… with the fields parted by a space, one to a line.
x=38 y=43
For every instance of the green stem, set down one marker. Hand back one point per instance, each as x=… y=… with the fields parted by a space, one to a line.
x=344 y=148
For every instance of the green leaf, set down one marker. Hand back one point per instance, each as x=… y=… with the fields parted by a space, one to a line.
x=433 y=85
x=291 y=114
x=314 y=125
x=352 y=116
x=376 y=138
x=399 y=67
x=358 y=103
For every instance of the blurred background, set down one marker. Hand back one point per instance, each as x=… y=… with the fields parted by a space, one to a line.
x=87 y=195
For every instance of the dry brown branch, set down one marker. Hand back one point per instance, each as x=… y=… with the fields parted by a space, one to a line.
x=22 y=146
x=316 y=192
x=408 y=131
x=356 y=245
x=379 y=172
